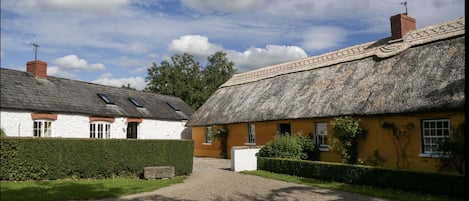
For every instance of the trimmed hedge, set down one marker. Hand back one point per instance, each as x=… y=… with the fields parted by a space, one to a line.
x=59 y=158
x=425 y=182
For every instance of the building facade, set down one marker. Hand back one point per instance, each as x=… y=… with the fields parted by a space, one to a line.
x=413 y=81
x=33 y=104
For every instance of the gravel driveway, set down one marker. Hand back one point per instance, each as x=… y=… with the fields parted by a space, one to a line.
x=212 y=179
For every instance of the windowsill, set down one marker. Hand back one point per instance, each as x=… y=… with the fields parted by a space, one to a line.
x=424 y=155
x=206 y=143
x=323 y=148
x=250 y=144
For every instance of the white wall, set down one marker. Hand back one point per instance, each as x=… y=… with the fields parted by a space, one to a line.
x=20 y=124
x=244 y=158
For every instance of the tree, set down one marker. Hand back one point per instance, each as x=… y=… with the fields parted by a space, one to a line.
x=185 y=78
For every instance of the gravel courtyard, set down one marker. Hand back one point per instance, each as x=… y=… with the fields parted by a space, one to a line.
x=212 y=179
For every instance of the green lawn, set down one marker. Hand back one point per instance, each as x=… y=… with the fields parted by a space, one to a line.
x=375 y=192
x=79 y=189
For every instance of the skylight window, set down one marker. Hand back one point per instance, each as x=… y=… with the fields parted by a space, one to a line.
x=135 y=102
x=173 y=106
x=105 y=98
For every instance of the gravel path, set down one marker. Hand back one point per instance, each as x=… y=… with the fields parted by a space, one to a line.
x=212 y=179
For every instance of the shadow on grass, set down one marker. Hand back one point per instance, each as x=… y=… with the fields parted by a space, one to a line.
x=48 y=191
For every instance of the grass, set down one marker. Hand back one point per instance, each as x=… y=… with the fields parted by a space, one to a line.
x=79 y=189
x=366 y=190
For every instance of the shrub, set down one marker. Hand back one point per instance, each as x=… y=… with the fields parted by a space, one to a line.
x=295 y=147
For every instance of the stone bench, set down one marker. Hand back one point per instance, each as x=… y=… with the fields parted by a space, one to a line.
x=158 y=172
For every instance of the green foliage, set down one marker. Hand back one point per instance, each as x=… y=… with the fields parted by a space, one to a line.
x=222 y=135
x=424 y=182
x=84 y=189
x=347 y=130
x=453 y=151
x=185 y=78
x=376 y=159
x=401 y=140
x=2 y=133
x=52 y=158
x=285 y=146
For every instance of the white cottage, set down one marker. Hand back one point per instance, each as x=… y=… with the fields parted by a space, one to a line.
x=33 y=104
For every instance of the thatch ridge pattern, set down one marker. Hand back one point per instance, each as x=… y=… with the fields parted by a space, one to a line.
x=381 y=48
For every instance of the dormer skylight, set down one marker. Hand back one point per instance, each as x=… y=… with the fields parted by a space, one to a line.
x=135 y=102
x=173 y=106
x=105 y=98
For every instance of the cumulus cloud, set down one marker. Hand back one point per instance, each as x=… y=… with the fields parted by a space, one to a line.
x=323 y=37
x=196 y=45
x=134 y=82
x=253 y=58
x=208 y=6
x=58 y=72
x=73 y=62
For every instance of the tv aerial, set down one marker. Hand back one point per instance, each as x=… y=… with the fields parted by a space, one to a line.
x=35 y=46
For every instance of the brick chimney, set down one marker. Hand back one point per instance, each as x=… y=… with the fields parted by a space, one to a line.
x=400 y=25
x=37 y=68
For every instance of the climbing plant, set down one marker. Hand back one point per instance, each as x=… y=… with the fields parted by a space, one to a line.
x=401 y=140
x=347 y=131
x=222 y=136
x=452 y=151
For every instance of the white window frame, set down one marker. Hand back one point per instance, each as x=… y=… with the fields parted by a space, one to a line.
x=100 y=130
x=434 y=131
x=42 y=128
x=251 y=134
x=208 y=133
x=320 y=130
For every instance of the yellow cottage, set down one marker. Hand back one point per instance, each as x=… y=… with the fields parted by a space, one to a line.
x=413 y=80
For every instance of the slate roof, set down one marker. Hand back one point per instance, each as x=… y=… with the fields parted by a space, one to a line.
x=422 y=72
x=23 y=91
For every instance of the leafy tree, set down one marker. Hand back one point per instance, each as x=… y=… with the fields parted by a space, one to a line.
x=185 y=78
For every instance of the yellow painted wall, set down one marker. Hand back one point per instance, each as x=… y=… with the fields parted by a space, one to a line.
x=377 y=138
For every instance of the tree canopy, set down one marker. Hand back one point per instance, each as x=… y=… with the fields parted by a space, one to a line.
x=185 y=78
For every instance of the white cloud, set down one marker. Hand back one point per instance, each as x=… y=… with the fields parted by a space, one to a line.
x=196 y=45
x=58 y=72
x=86 y=6
x=208 y=6
x=73 y=62
x=134 y=82
x=323 y=37
x=253 y=58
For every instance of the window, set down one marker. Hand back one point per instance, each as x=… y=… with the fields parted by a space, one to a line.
x=173 y=106
x=283 y=129
x=251 y=137
x=320 y=130
x=105 y=98
x=434 y=132
x=135 y=102
x=208 y=135
x=42 y=128
x=132 y=130
x=99 y=129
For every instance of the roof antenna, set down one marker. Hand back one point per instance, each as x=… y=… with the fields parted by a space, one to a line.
x=35 y=46
x=404 y=3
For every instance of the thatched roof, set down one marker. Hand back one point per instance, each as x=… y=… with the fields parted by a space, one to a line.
x=422 y=72
x=23 y=91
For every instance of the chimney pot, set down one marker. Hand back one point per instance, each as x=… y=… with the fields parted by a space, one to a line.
x=401 y=24
x=37 y=68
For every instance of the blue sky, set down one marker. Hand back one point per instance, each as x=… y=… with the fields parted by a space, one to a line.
x=113 y=42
